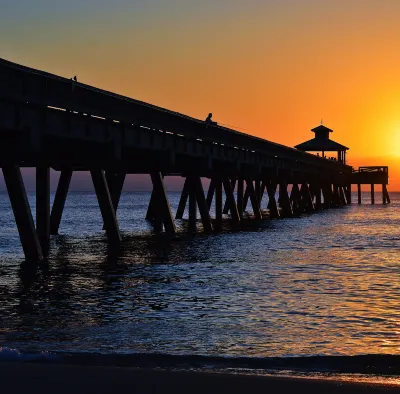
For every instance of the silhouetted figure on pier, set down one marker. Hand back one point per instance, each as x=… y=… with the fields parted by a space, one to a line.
x=75 y=78
x=209 y=120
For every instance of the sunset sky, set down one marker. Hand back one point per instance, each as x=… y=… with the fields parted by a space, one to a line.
x=271 y=68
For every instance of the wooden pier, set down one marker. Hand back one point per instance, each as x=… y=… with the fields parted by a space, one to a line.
x=47 y=121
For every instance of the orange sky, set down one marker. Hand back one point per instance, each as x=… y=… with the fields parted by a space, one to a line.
x=271 y=68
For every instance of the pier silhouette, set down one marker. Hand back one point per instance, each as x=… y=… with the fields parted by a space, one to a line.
x=47 y=121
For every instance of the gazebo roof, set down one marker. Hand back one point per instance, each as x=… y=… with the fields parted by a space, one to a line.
x=317 y=145
x=321 y=127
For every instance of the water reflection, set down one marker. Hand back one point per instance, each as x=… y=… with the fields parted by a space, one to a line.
x=322 y=284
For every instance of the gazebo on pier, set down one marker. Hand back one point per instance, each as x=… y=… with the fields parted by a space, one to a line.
x=321 y=143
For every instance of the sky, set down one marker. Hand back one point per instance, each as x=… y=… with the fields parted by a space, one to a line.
x=270 y=68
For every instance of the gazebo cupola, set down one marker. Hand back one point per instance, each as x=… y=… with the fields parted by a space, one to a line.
x=322 y=143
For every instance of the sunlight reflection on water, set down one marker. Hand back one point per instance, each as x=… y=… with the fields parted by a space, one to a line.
x=322 y=284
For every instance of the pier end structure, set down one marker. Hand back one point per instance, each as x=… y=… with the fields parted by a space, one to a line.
x=373 y=175
x=376 y=175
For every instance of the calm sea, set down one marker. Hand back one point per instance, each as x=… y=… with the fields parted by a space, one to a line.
x=326 y=284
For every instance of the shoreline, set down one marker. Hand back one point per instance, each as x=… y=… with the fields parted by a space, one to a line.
x=62 y=378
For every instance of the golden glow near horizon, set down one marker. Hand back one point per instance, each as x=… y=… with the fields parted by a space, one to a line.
x=270 y=68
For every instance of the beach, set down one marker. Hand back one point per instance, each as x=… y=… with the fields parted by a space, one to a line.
x=48 y=378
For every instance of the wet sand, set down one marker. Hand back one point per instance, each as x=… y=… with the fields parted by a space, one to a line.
x=56 y=378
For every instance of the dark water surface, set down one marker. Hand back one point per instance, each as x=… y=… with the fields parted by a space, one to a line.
x=326 y=284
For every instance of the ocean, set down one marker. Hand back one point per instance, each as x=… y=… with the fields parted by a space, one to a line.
x=318 y=293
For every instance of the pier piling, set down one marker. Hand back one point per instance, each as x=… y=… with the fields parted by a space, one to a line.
x=295 y=199
x=192 y=204
x=202 y=204
x=253 y=199
x=43 y=207
x=210 y=192
x=230 y=199
x=218 y=202
x=161 y=210
x=284 y=200
x=183 y=200
x=115 y=184
x=106 y=205
x=240 y=196
x=318 y=199
x=272 y=205
x=22 y=213
x=59 y=201
x=372 y=193
x=226 y=205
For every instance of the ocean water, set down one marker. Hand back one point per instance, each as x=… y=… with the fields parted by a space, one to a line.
x=325 y=284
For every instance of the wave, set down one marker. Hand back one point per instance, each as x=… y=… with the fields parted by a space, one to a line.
x=8 y=354
x=371 y=364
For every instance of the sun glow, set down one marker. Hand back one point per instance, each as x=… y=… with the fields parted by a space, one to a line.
x=392 y=140
x=395 y=149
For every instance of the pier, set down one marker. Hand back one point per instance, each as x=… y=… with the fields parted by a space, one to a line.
x=47 y=121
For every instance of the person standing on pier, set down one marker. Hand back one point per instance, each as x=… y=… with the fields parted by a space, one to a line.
x=209 y=120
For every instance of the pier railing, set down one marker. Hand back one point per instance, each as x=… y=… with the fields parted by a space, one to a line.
x=370 y=175
x=26 y=85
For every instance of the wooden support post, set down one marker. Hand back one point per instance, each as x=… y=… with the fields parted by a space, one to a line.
x=22 y=213
x=115 y=184
x=383 y=195
x=226 y=206
x=245 y=200
x=106 y=206
x=218 y=202
x=263 y=187
x=343 y=200
x=359 y=193
x=348 y=194
x=116 y=189
x=295 y=199
x=386 y=193
x=192 y=204
x=318 y=200
x=372 y=193
x=202 y=204
x=152 y=210
x=161 y=208
x=306 y=195
x=334 y=201
x=336 y=196
x=230 y=199
x=210 y=193
x=327 y=192
x=59 y=201
x=339 y=196
x=284 y=200
x=43 y=207
x=183 y=200
x=272 y=205
x=257 y=189
x=240 y=199
x=312 y=194
x=253 y=198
